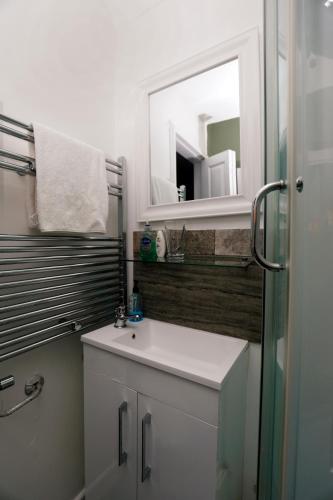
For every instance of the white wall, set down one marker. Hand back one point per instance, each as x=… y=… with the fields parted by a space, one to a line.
x=57 y=68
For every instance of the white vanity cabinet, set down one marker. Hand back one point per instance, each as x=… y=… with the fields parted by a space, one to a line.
x=153 y=433
x=104 y=416
x=181 y=450
x=178 y=449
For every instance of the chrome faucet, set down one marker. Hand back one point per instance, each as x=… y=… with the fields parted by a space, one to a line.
x=121 y=317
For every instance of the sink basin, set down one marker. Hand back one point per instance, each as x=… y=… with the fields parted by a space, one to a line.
x=193 y=354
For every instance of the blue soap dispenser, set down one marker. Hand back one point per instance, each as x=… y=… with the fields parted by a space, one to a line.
x=135 y=304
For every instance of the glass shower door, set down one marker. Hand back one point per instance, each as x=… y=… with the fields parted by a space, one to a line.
x=296 y=449
x=276 y=229
x=308 y=465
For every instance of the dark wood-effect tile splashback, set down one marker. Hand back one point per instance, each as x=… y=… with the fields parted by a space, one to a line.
x=222 y=300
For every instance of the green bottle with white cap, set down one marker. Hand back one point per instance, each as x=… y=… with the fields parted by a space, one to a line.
x=148 y=244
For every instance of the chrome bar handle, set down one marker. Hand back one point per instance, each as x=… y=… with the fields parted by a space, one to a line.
x=145 y=469
x=255 y=226
x=32 y=389
x=122 y=455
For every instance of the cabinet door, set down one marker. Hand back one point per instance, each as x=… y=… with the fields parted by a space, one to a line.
x=176 y=452
x=110 y=412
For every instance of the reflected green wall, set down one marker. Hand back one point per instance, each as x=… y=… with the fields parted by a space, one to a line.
x=224 y=135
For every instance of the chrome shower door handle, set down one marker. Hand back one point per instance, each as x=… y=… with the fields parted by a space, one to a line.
x=122 y=455
x=255 y=226
x=145 y=469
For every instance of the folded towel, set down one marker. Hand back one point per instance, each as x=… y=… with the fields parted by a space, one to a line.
x=71 y=192
x=163 y=191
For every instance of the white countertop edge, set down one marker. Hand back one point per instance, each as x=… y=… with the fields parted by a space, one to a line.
x=213 y=382
x=154 y=363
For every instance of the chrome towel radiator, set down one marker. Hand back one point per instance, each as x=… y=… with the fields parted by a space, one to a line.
x=25 y=165
x=54 y=286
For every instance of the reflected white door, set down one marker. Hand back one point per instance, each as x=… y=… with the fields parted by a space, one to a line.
x=218 y=175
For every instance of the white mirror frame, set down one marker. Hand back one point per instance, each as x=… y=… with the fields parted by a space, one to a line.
x=246 y=48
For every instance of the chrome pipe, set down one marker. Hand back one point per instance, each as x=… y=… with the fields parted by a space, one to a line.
x=17 y=133
x=16 y=156
x=30 y=137
x=111 y=193
x=29 y=169
x=15 y=168
x=114 y=264
x=15 y=122
x=113 y=170
x=114 y=163
x=55 y=298
x=85 y=284
x=25 y=260
x=115 y=186
x=40 y=343
x=18 y=317
x=23 y=338
x=51 y=248
x=101 y=305
x=33 y=281
x=31 y=237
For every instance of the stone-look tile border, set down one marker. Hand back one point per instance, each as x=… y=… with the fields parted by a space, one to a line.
x=200 y=242
x=233 y=242
x=221 y=300
x=211 y=242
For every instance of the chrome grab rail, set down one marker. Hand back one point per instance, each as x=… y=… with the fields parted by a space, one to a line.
x=32 y=389
x=255 y=226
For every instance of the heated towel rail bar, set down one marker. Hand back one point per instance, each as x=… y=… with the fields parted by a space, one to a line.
x=54 y=286
x=26 y=165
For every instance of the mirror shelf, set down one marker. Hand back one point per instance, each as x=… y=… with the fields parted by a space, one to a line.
x=232 y=261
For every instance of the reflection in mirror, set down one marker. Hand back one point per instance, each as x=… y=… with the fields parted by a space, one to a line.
x=195 y=137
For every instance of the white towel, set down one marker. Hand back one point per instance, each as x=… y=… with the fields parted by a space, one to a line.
x=163 y=191
x=71 y=193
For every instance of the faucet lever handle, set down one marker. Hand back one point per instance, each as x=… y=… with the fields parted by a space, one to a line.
x=120 y=311
x=121 y=318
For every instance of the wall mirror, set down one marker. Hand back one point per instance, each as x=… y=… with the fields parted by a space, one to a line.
x=200 y=143
x=195 y=137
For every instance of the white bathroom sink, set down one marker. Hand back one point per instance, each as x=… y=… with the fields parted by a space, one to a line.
x=193 y=354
